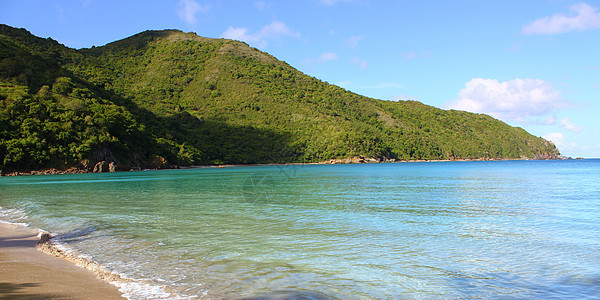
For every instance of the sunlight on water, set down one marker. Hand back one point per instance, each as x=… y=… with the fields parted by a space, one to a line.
x=524 y=229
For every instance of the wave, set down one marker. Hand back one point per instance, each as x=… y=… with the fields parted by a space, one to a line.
x=13 y=216
x=131 y=288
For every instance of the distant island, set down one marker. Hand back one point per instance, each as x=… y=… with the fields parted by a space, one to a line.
x=162 y=99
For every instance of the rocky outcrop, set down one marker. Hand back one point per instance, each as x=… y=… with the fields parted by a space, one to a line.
x=104 y=166
x=100 y=167
x=358 y=160
x=47 y=172
x=160 y=162
x=546 y=156
x=112 y=167
x=44 y=237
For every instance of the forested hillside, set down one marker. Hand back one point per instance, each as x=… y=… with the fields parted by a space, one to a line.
x=163 y=98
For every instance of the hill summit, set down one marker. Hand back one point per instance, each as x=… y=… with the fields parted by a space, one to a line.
x=164 y=98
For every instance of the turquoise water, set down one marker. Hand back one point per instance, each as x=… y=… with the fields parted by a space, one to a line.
x=509 y=229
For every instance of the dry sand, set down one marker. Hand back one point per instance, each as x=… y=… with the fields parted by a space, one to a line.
x=27 y=273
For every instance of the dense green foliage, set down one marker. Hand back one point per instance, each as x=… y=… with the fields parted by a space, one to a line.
x=168 y=97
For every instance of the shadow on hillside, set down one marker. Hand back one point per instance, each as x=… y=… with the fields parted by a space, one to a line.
x=178 y=137
x=222 y=143
x=215 y=142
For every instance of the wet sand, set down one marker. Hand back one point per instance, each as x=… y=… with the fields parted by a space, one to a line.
x=27 y=273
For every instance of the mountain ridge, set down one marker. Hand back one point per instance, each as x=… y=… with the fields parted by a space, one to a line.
x=162 y=98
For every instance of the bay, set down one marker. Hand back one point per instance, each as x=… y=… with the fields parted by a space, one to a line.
x=426 y=230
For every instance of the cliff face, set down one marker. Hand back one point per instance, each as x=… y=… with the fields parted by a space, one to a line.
x=177 y=98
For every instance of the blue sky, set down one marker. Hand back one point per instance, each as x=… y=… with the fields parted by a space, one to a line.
x=533 y=64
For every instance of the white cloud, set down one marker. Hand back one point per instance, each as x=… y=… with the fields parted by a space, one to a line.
x=275 y=29
x=516 y=99
x=271 y=31
x=360 y=63
x=236 y=33
x=559 y=141
x=556 y=137
x=188 y=9
x=566 y=123
x=586 y=18
x=353 y=41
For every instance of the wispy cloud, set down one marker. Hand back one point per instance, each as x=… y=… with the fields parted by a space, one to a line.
x=566 y=123
x=585 y=18
x=359 y=62
x=261 y=5
x=550 y=120
x=86 y=3
x=61 y=12
x=333 y=2
x=274 y=30
x=353 y=41
x=517 y=99
x=323 y=58
x=188 y=9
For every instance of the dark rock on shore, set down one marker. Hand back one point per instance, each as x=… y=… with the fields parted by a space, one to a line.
x=358 y=160
x=100 y=167
x=104 y=166
x=47 y=172
x=45 y=237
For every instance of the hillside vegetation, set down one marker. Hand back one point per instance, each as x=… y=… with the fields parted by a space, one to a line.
x=163 y=98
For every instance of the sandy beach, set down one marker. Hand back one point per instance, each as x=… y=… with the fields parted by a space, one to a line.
x=27 y=273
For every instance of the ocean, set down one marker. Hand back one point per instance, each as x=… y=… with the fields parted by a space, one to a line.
x=422 y=230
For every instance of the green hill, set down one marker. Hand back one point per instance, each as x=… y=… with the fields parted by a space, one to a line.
x=163 y=98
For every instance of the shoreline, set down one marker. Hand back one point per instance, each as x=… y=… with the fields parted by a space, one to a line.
x=334 y=161
x=32 y=271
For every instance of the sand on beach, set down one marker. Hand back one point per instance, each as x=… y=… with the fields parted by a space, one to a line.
x=27 y=273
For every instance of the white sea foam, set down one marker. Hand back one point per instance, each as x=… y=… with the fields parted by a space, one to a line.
x=13 y=216
x=129 y=287
x=140 y=290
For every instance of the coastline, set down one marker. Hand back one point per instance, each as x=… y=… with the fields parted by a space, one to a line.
x=334 y=161
x=26 y=272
